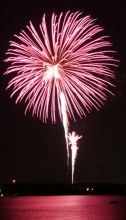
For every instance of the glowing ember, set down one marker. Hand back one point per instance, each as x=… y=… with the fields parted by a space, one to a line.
x=73 y=138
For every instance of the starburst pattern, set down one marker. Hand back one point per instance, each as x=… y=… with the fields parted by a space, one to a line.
x=70 y=56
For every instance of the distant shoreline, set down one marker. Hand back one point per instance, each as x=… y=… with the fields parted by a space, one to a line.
x=36 y=189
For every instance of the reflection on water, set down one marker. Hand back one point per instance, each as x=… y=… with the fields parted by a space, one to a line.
x=63 y=208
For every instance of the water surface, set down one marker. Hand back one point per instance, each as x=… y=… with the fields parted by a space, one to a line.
x=63 y=208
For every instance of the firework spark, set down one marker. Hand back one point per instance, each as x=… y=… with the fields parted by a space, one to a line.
x=73 y=138
x=73 y=58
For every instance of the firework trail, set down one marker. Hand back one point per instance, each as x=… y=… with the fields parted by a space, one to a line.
x=72 y=139
x=65 y=122
x=67 y=61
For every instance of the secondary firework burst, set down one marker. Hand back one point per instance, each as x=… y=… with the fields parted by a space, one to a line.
x=72 y=140
x=68 y=61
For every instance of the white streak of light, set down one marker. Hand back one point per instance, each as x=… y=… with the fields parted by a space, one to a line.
x=73 y=138
x=65 y=120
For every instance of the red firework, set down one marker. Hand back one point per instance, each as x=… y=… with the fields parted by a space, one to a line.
x=73 y=58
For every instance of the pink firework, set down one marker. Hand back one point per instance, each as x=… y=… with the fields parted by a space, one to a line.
x=71 y=57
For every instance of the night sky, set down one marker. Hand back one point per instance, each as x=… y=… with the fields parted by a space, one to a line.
x=32 y=151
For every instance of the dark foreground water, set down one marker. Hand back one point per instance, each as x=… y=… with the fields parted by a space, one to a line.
x=63 y=208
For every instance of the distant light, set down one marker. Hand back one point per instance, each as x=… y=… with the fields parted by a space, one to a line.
x=87 y=189
x=92 y=189
x=13 y=181
x=1 y=195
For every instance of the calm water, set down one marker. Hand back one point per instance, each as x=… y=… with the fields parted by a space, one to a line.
x=63 y=208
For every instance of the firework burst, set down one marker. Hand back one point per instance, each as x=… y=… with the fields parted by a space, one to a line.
x=71 y=58
x=72 y=139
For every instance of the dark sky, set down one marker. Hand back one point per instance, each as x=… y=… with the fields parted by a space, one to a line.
x=31 y=151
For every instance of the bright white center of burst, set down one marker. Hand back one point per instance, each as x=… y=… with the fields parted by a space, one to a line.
x=52 y=72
